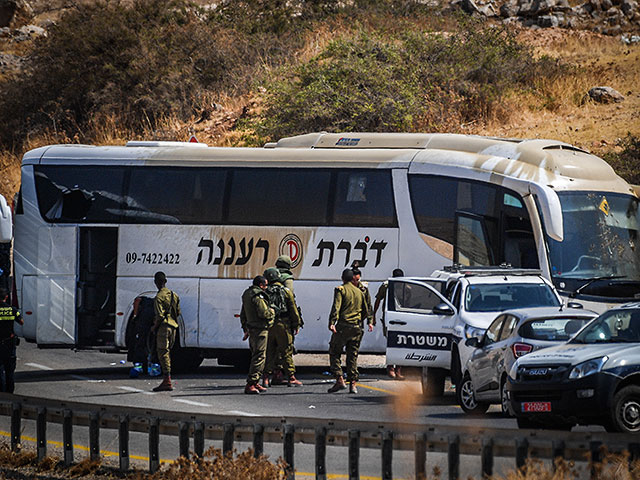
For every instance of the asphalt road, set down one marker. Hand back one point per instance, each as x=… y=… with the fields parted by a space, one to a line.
x=89 y=376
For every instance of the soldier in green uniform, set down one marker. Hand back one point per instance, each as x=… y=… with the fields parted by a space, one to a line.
x=283 y=264
x=364 y=286
x=166 y=306
x=394 y=371
x=8 y=341
x=286 y=326
x=348 y=313
x=256 y=318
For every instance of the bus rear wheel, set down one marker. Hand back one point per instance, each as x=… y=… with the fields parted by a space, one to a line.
x=185 y=360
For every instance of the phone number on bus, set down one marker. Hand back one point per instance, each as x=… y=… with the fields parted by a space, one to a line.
x=153 y=258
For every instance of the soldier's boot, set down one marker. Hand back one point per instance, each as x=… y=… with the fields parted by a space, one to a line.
x=399 y=375
x=266 y=383
x=294 y=382
x=352 y=387
x=251 y=389
x=391 y=371
x=260 y=387
x=278 y=378
x=165 y=386
x=339 y=385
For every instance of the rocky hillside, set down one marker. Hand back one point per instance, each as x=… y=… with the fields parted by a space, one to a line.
x=580 y=85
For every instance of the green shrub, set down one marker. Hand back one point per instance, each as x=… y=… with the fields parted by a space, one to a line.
x=409 y=81
x=626 y=162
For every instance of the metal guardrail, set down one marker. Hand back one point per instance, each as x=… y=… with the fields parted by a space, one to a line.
x=487 y=443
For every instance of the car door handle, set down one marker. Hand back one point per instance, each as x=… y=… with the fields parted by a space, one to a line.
x=397 y=322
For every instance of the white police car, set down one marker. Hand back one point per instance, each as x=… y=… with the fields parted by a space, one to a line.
x=594 y=378
x=429 y=318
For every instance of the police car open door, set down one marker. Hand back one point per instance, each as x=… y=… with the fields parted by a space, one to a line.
x=419 y=323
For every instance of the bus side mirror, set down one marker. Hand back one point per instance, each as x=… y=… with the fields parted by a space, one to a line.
x=443 y=309
x=574 y=305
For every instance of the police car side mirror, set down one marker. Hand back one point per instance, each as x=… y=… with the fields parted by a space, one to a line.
x=574 y=305
x=472 y=342
x=443 y=309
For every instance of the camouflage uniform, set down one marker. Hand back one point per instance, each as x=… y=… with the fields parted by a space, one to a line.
x=256 y=317
x=166 y=306
x=348 y=313
x=280 y=345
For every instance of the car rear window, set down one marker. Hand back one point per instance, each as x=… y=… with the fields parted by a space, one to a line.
x=552 y=329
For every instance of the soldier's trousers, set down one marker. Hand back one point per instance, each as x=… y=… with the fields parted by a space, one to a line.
x=165 y=338
x=258 y=344
x=280 y=349
x=347 y=337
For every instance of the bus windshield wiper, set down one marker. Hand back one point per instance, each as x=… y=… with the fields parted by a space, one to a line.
x=579 y=290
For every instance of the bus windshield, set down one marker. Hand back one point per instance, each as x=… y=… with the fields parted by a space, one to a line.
x=600 y=247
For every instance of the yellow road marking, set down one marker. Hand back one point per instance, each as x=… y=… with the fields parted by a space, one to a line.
x=390 y=392
x=108 y=453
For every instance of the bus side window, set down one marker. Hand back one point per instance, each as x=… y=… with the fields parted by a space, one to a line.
x=364 y=198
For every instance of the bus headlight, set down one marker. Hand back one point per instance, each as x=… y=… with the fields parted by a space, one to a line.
x=587 y=368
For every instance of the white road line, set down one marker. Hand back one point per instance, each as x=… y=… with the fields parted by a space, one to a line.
x=243 y=414
x=191 y=402
x=37 y=365
x=135 y=390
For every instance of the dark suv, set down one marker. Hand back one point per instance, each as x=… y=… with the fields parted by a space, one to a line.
x=594 y=378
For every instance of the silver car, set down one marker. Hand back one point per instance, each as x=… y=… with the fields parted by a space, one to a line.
x=511 y=335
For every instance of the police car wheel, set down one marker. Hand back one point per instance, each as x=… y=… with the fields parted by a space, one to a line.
x=626 y=410
x=467 y=398
x=433 y=382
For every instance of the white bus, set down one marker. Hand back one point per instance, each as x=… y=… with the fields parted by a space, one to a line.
x=93 y=224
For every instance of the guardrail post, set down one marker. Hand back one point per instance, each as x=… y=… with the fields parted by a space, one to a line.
x=288 y=451
x=227 y=441
x=154 y=444
x=94 y=436
x=354 y=454
x=596 y=457
x=487 y=457
x=557 y=451
x=453 y=457
x=16 y=427
x=321 y=453
x=67 y=437
x=41 y=433
x=420 y=455
x=198 y=439
x=258 y=440
x=387 y=455
x=522 y=452
x=183 y=438
x=123 y=441
x=634 y=455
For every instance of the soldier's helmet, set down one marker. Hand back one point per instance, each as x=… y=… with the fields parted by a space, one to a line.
x=283 y=261
x=272 y=274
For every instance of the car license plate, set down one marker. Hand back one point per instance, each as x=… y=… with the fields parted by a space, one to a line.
x=536 y=407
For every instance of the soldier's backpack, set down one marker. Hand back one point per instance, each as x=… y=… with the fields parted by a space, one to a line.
x=277 y=299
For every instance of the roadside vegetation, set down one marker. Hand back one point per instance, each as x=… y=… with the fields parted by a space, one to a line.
x=244 y=72
x=215 y=465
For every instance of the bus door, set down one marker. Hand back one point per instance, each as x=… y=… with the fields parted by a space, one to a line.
x=419 y=329
x=96 y=297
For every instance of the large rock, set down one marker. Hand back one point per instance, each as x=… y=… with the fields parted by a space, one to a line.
x=509 y=9
x=629 y=7
x=605 y=95
x=536 y=8
x=14 y=12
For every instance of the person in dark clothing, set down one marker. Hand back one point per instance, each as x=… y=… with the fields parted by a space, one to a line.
x=8 y=340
